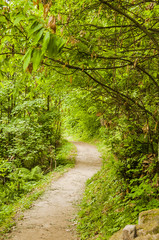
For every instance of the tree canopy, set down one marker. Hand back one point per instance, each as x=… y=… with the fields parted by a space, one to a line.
x=99 y=58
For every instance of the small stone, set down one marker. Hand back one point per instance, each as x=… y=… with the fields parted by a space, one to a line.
x=129 y=232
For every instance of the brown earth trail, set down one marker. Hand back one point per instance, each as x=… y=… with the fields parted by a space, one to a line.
x=51 y=217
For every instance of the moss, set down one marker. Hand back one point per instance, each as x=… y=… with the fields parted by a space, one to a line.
x=117 y=235
x=150 y=215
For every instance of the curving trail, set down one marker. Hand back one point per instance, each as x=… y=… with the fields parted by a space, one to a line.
x=51 y=217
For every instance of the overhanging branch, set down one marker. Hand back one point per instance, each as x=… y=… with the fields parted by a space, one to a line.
x=141 y=27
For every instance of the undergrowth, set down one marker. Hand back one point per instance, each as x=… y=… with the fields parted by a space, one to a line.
x=107 y=205
x=18 y=195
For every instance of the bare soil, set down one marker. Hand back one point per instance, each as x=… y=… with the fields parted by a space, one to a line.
x=52 y=215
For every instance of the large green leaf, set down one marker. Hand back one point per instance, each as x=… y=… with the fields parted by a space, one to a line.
x=55 y=45
x=38 y=36
x=36 y=59
x=45 y=41
x=27 y=58
x=36 y=27
x=18 y=18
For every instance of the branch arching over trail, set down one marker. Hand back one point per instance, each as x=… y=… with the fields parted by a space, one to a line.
x=106 y=87
x=142 y=28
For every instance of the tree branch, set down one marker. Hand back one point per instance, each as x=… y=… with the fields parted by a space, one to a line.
x=121 y=95
x=143 y=28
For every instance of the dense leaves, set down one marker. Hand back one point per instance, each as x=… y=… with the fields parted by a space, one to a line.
x=107 y=52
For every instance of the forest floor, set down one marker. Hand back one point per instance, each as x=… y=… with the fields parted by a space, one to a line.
x=52 y=215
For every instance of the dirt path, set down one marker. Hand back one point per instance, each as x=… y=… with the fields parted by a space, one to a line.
x=51 y=217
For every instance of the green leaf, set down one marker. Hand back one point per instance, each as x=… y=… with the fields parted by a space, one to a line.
x=2 y=19
x=38 y=36
x=55 y=45
x=37 y=56
x=36 y=28
x=45 y=41
x=60 y=43
x=18 y=18
x=27 y=58
x=52 y=46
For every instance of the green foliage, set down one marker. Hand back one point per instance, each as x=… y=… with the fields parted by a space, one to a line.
x=46 y=41
x=27 y=58
x=107 y=205
x=66 y=154
x=29 y=128
x=18 y=183
x=79 y=115
x=55 y=45
x=110 y=60
x=24 y=174
x=23 y=186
